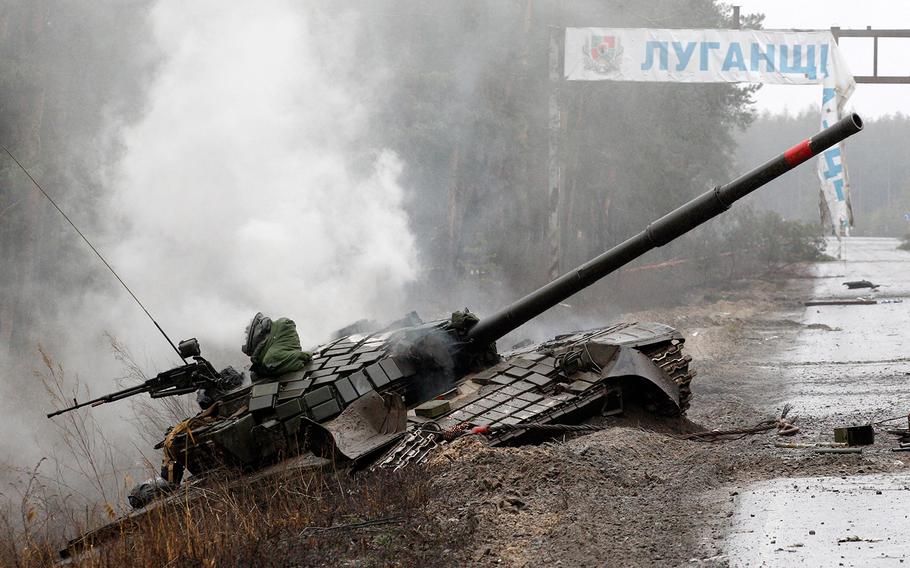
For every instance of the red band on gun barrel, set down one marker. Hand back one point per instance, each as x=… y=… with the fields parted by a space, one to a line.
x=798 y=154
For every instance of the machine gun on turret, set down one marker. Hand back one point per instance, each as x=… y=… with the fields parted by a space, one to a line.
x=187 y=378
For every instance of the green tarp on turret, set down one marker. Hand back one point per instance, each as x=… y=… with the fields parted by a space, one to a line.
x=281 y=352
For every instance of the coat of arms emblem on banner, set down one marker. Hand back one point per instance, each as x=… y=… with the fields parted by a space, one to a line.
x=602 y=53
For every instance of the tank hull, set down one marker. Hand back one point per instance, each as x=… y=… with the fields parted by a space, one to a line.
x=361 y=394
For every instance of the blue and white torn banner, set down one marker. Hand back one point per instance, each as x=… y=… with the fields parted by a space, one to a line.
x=727 y=56
x=834 y=202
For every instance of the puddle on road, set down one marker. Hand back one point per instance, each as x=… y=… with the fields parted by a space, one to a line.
x=823 y=521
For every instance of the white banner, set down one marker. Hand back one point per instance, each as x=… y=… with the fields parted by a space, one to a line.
x=726 y=56
x=832 y=169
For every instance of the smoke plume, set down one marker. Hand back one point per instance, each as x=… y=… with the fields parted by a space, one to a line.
x=246 y=185
x=244 y=181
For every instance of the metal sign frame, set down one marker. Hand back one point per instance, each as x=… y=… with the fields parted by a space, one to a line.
x=556 y=121
x=874 y=34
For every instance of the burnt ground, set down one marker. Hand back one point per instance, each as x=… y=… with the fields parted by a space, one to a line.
x=636 y=494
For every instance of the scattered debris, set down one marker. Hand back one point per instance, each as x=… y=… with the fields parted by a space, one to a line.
x=841 y=302
x=855 y=435
x=364 y=525
x=784 y=428
x=855 y=538
x=854 y=284
x=903 y=439
x=822 y=327
x=838 y=450
x=809 y=445
x=852 y=302
x=903 y=434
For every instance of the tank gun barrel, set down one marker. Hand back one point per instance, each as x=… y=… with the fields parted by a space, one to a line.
x=669 y=227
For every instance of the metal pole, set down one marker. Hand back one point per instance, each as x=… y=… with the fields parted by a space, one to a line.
x=875 y=56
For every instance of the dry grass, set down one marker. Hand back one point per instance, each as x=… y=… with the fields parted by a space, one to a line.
x=291 y=518
x=303 y=518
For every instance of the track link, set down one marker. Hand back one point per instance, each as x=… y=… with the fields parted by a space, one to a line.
x=669 y=357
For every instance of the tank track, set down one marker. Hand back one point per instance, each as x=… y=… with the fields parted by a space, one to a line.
x=671 y=360
x=666 y=354
x=421 y=442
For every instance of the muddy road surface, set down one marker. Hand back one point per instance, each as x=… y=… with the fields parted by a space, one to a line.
x=637 y=494
x=849 y=365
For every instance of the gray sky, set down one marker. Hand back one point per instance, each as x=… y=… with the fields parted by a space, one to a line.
x=869 y=100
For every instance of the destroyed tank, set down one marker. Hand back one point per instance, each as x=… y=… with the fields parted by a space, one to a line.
x=388 y=397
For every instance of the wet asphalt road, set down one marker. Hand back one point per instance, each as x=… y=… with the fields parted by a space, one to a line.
x=847 y=365
x=857 y=368
x=824 y=521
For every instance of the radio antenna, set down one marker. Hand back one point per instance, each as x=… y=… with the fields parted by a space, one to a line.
x=94 y=250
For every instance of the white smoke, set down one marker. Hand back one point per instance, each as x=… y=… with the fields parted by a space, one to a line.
x=246 y=185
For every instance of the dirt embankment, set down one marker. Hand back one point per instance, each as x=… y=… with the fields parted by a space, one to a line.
x=637 y=494
x=634 y=494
